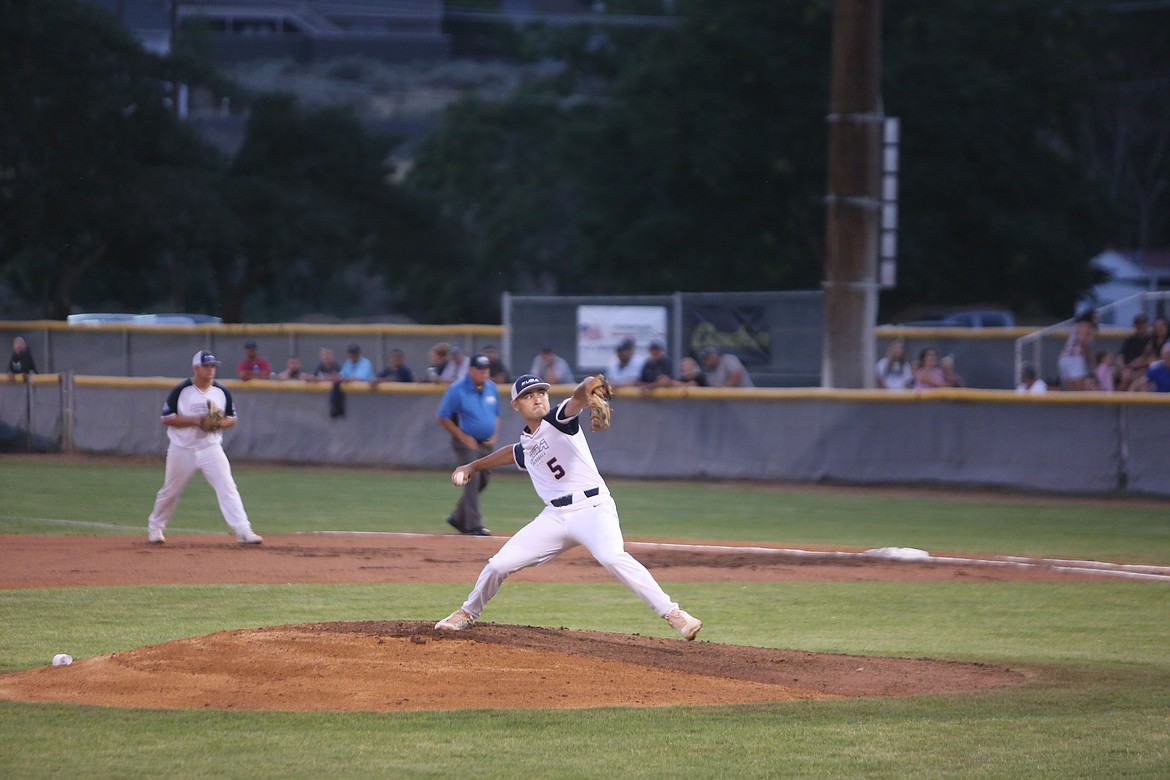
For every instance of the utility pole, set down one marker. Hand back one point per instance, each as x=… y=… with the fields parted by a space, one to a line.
x=853 y=201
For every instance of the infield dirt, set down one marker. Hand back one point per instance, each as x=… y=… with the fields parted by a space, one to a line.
x=407 y=665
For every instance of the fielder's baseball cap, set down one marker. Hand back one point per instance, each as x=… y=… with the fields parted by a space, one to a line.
x=527 y=383
x=204 y=358
x=481 y=361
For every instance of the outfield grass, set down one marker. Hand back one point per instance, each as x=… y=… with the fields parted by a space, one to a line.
x=1098 y=705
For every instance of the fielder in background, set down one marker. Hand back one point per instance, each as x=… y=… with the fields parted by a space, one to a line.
x=470 y=412
x=578 y=507
x=195 y=414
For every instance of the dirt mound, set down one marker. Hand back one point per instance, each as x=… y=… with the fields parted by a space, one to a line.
x=407 y=665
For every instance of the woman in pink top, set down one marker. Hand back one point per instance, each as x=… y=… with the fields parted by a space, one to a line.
x=928 y=374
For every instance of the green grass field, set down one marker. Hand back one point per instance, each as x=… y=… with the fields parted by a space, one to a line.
x=1099 y=652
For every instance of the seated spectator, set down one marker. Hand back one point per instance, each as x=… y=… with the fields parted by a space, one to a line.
x=1103 y=372
x=292 y=369
x=253 y=366
x=625 y=367
x=396 y=369
x=1158 y=374
x=21 y=361
x=551 y=367
x=498 y=372
x=456 y=368
x=1159 y=338
x=928 y=374
x=356 y=368
x=1135 y=354
x=689 y=373
x=1029 y=382
x=437 y=362
x=656 y=371
x=950 y=375
x=894 y=372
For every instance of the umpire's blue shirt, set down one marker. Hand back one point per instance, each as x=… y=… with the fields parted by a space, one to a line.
x=473 y=410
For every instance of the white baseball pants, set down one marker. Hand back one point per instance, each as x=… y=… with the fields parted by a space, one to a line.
x=182 y=463
x=592 y=523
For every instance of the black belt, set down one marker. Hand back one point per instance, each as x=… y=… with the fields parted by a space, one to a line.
x=566 y=500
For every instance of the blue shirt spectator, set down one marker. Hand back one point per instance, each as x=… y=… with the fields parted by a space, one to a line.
x=356 y=366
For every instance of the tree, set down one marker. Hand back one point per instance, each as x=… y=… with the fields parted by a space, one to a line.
x=85 y=133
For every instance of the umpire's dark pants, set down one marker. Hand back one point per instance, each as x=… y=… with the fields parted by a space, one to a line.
x=467 y=516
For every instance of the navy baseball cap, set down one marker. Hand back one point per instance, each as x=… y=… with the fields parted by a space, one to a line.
x=204 y=358
x=527 y=383
x=481 y=361
x=249 y=344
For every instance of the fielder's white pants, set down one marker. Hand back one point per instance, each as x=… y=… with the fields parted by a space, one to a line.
x=182 y=463
x=593 y=524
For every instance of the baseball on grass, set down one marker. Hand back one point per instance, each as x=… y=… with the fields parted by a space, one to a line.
x=61 y=659
x=459 y=478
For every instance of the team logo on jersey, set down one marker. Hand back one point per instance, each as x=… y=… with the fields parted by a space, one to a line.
x=535 y=451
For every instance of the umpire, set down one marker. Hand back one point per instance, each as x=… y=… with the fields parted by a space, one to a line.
x=470 y=412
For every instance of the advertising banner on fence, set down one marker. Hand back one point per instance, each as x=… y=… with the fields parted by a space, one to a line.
x=601 y=328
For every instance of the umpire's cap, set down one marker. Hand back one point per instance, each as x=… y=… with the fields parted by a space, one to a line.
x=527 y=383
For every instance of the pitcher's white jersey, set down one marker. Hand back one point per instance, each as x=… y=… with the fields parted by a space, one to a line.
x=557 y=457
x=187 y=399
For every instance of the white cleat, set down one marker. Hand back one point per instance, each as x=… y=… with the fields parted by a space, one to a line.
x=456 y=621
x=684 y=623
x=249 y=537
x=155 y=536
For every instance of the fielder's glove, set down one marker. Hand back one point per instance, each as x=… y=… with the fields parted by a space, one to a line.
x=600 y=398
x=214 y=419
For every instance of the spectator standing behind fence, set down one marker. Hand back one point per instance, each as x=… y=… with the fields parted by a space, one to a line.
x=1160 y=337
x=470 y=412
x=625 y=367
x=1103 y=372
x=21 y=361
x=928 y=374
x=689 y=373
x=894 y=372
x=456 y=368
x=329 y=371
x=357 y=367
x=396 y=369
x=1077 y=354
x=499 y=372
x=292 y=369
x=656 y=371
x=551 y=367
x=724 y=370
x=950 y=374
x=327 y=366
x=1133 y=355
x=253 y=366
x=436 y=362
x=1029 y=382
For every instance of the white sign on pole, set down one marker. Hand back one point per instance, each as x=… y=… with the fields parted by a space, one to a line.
x=601 y=328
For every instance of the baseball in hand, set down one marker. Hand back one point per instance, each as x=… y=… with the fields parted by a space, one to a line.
x=458 y=478
x=61 y=659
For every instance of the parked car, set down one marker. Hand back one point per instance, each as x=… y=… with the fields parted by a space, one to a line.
x=987 y=318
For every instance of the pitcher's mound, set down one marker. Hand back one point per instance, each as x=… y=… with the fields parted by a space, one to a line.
x=407 y=665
